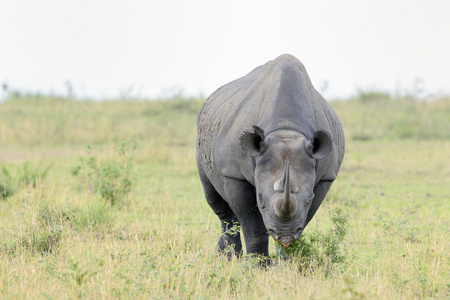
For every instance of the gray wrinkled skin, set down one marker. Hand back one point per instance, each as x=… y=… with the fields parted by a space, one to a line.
x=269 y=147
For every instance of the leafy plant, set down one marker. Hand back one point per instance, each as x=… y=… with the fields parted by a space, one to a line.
x=233 y=230
x=318 y=249
x=112 y=179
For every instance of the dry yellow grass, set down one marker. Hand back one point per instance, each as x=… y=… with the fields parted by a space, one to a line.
x=160 y=242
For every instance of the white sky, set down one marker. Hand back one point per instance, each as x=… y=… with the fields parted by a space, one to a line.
x=108 y=48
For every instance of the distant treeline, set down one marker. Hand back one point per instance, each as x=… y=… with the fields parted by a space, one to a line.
x=51 y=120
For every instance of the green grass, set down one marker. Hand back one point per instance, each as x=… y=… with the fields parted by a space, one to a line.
x=61 y=239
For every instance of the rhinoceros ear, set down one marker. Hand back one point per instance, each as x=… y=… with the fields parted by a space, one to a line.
x=321 y=145
x=251 y=142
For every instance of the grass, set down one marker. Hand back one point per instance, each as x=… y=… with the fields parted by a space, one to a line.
x=62 y=239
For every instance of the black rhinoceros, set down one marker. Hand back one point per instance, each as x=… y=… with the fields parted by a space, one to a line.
x=269 y=147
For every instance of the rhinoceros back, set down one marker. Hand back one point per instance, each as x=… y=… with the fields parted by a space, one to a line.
x=271 y=94
x=216 y=113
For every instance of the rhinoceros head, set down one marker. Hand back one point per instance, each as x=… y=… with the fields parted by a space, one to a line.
x=285 y=175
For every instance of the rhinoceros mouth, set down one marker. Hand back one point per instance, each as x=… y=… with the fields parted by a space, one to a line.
x=286 y=239
x=285 y=245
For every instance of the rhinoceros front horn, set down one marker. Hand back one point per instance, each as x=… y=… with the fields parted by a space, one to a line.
x=285 y=208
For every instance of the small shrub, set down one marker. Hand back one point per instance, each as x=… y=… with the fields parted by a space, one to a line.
x=317 y=249
x=233 y=230
x=113 y=180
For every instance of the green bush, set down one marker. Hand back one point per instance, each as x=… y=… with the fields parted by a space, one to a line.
x=317 y=249
x=113 y=179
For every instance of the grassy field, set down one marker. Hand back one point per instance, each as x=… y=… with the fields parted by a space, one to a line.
x=102 y=200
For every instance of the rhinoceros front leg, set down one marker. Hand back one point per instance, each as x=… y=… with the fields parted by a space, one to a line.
x=227 y=218
x=242 y=199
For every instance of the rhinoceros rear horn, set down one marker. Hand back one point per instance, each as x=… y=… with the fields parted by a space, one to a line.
x=251 y=142
x=321 y=145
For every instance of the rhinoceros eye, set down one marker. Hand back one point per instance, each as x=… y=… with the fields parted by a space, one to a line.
x=261 y=202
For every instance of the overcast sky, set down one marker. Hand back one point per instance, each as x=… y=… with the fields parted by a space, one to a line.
x=135 y=48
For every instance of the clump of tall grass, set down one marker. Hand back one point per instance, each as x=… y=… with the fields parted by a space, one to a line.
x=42 y=239
x=50 y=224
x=95 y=215
x=112 y=179
x=29 y=175
x=6 y=184
x=24 y=176
x=41 y=235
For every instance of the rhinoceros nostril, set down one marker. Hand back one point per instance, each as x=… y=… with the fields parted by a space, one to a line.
x=273 y=234
x=298 y=233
